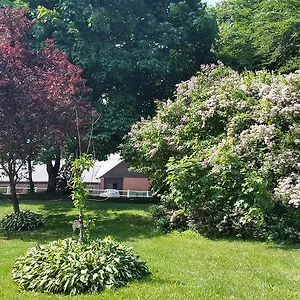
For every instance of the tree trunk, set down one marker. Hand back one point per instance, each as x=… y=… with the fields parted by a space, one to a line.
x=53 y=172
x=31 y=183
x=14 y=197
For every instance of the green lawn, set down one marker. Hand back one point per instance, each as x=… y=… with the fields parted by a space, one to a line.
x=183 y=265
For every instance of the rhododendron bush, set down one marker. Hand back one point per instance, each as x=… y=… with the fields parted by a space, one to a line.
x=227 y=145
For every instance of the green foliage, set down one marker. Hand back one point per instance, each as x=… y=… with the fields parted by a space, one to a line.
x=132 y=52
x=166 y=218
x=225 y=149
x=178 y=219
x=23 y=220
x=283 y=223
x=69 y=267
x=259 y=34
x=160 y=217
x=80 y=194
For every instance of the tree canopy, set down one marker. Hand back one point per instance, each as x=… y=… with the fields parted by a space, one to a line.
x=41 y=96
x=132 y=52
x=259 y=34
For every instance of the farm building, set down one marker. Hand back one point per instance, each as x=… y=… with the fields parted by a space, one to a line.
x=112 y=173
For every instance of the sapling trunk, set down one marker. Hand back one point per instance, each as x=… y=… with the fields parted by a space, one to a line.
x=82 y=235
x=11 y=173
x=80 y=193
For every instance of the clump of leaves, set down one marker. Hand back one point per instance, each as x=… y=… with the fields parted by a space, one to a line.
x=80 y=195
x=22 y=220
x=178 y=219
x=71 y=267
x=161 y=220
x=167 y=219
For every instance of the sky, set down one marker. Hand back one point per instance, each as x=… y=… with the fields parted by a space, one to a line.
x=211 y=1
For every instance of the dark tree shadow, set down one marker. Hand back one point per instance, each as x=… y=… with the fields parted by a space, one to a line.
x=285 y=246
x=122 y=221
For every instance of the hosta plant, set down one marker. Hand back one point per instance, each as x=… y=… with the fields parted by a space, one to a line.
x=22 y=220
x=72 y=267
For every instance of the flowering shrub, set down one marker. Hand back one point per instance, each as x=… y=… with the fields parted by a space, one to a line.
x=227 y=138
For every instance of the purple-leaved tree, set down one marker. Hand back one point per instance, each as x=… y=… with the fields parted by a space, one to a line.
x=41 y=96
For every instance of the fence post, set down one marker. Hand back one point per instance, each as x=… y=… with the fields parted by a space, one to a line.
x=128 y=193
x=147 y=194
x=8 y=191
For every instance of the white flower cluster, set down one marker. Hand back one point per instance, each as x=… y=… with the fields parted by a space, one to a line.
x=256 y=135
x=288 y=189
x=282 y=163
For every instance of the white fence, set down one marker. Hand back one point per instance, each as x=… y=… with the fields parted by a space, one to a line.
x=93 y=192
x=20 y=190
x=123 y=193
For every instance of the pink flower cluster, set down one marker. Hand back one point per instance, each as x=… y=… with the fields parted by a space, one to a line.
x=288 y=189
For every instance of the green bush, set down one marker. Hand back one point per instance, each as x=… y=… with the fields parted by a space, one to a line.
x=23 y=220
x=178 y=219
x=225 y=139
x=214 y=219
x=167 y=217
x=283 y=223
x=161 y=219
x=157 y=211
x=70 y=267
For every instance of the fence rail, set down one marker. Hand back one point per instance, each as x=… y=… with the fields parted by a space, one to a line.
x=93 y=192
x=122 y=193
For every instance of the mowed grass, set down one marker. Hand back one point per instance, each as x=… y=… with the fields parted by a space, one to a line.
x=183 y=265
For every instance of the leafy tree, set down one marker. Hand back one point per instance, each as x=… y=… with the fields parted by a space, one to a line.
x=226 y=147
x=41 y=96
x=80 y=194
x=259 y=34
x=132 y=52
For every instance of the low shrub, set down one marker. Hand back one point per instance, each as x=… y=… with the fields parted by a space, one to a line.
x=178 y=220
x=70 y=267
x=157 y=211
x=214 y=219
x=166 y=219
x=283 y=223
x=160 y=217
x=23 y=220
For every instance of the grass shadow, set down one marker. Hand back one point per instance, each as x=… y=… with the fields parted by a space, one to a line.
x=122 y=221
x=5 y=202
x=276 y=244
x=285 y=246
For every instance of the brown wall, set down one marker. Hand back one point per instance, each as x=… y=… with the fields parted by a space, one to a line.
x=124 y=179
x=136 y=184
x=113 y=183
x=102 y=183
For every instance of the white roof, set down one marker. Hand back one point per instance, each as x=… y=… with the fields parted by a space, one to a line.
x=106 y=165
x=90 y=175
x=40 y=174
